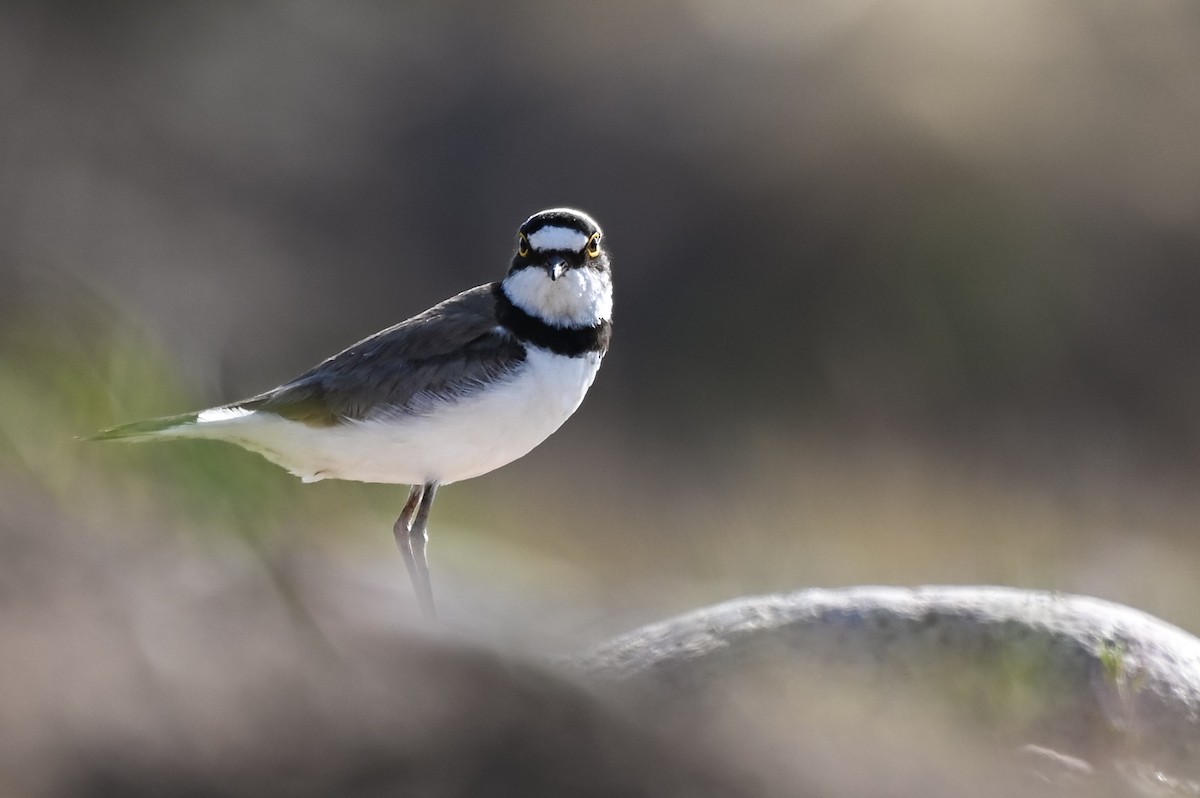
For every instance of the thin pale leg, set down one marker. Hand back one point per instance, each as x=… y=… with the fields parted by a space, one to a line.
x=417 y=537
x=414 y=553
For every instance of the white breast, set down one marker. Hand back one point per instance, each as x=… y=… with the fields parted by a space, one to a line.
x=455 y=440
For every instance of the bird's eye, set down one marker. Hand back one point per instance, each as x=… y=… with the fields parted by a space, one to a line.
x=523 y=246
x=593 y=245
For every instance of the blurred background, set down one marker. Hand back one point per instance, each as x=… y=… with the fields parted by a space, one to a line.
x=906 y=291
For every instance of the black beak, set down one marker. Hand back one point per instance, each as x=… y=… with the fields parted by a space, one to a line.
x=555 y=267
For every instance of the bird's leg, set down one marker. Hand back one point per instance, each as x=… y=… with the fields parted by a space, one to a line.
x=414 y=559
x=404 y=522
x=417 y=536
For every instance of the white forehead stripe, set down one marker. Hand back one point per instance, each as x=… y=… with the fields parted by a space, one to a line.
x=554 y=238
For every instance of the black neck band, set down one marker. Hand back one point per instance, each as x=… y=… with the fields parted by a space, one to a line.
x=571 y=341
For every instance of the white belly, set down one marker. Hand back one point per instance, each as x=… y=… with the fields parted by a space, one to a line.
x=453 y=441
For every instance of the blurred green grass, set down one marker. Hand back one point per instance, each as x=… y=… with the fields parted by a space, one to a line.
x=72 y=363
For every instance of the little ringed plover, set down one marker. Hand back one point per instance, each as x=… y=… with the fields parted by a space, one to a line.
x=469 y=385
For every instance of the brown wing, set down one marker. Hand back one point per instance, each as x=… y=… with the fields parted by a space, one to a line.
x=452 y=349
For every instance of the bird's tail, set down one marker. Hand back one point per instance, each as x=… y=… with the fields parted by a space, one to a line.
x=165 y=427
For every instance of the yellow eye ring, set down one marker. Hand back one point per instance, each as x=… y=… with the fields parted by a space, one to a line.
x=523 y=246
x=593 y=245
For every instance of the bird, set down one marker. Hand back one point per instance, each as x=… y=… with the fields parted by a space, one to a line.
x=469 y=385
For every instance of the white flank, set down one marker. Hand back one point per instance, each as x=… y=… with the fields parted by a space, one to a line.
x=579 y=298
x=222 y=414
x=551 y=239
x=454 y=440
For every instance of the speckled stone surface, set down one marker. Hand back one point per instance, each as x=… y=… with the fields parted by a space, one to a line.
x=1098 y=677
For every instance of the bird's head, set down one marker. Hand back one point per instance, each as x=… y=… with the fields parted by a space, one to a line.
x=560 y=239
x=561 y=270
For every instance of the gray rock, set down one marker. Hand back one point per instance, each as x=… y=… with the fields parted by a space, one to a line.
x=1087 y=678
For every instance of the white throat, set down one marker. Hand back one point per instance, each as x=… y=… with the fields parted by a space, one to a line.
x=579 y=298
